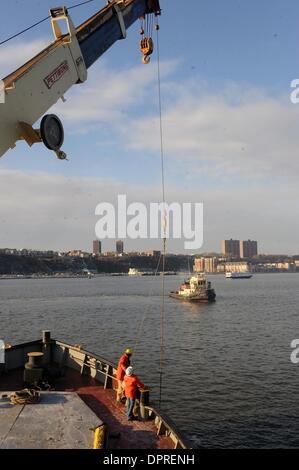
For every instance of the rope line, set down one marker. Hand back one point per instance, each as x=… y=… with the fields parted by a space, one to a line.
x=25 y=396
x=24 y=31
x=40 y=22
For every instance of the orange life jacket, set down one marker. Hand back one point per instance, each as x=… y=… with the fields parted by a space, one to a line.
x=132 y=382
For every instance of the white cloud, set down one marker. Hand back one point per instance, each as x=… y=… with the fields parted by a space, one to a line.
x=109 y=95
x=238 y=132
x=56 y=212
x=238 y=140
x=17 y=53
x=256 y=136
x=235 y=132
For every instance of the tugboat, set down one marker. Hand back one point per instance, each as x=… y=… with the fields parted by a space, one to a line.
x=195 y=289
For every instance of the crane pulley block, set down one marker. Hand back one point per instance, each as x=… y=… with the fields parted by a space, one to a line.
x=147 y=48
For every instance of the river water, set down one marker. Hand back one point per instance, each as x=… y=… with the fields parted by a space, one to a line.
x=228 y=380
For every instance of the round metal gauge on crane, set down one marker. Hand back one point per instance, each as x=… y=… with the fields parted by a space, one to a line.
x=52 y=133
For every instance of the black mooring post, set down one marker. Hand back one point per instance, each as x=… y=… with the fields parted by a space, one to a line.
x=47 y=346
x=144 y=402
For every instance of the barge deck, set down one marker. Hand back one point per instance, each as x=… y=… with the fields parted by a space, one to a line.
x=86 y=379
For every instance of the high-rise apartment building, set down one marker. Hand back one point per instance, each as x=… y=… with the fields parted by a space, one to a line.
x=119 y=247
x=96 y=247
x=230 y=248
x=239 y=248
x=248 y=248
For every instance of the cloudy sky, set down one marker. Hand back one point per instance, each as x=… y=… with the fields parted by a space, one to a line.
x=230 y=129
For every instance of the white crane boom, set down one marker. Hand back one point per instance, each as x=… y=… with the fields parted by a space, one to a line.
x=36 y=86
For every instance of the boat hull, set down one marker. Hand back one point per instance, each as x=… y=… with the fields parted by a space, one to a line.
x=207 y=298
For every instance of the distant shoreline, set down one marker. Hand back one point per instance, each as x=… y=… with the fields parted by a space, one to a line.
x=84 y=276
x=43 y=276
x=79 y=276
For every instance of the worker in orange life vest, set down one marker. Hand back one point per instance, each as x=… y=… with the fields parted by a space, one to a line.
x=123 y=363
x=131 y=384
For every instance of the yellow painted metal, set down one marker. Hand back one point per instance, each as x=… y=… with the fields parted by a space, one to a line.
x=99 y=437
x=30 y=135
x=147 y=46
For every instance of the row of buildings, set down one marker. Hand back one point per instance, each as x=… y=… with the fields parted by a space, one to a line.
x=239 y=248
x=26 y=252
x=119 y=250
x=214 y=265
x=210 y=264
x=96 y=252
x=235 y=257
x=230 y=249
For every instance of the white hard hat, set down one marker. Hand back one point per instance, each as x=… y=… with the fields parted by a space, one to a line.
x=129 y=370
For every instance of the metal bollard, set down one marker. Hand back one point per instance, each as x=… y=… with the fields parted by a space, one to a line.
x=144 y=402
x=46 y=336
x=47 y=348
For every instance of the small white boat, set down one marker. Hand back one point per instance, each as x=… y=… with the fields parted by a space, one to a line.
x=134 y=272
x=238 y=275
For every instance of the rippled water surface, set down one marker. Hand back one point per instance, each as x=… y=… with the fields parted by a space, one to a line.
x=228 y=380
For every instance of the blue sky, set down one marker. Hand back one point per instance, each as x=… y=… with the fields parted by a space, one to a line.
x=230 y=128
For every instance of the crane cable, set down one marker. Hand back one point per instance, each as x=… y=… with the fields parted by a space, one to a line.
x=149 y=295
x=146 y=29
x=164 y=221
x=39 y=22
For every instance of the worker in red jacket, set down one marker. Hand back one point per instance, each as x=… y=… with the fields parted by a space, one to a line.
x=131 y=384
x=123 y=363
